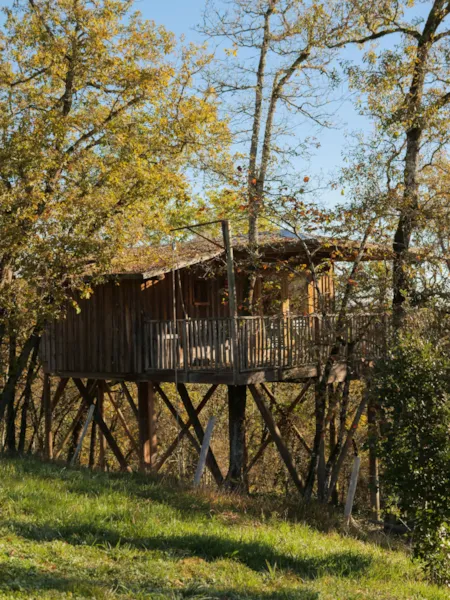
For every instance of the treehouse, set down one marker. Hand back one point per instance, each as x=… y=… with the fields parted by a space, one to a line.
x=166 y=315
x=181 y=315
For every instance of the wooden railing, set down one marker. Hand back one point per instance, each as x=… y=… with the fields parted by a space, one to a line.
x=263 y=342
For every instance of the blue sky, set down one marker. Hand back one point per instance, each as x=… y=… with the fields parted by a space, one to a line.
x=181 y=17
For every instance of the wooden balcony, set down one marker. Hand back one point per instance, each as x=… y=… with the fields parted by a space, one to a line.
x=255 y=349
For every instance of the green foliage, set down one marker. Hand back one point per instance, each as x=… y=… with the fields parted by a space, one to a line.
x=75 y=534
x=413 y=388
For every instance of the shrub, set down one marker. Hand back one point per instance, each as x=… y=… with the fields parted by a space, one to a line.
x=412 y=388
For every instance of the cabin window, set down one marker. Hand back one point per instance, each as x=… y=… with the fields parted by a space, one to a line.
x=201 y=289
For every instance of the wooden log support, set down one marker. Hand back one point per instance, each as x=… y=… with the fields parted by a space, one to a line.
x=276 y=436
x=130 y=400
x=232 y=299
x=352 y=489
x=192 y=414
x=62 y=384
x=147 y=425
x=301 y=397
x=47 y=402
x=184 y=431
x=122 y=419
x=102 y=425
x=204 y=451
x=237 y=399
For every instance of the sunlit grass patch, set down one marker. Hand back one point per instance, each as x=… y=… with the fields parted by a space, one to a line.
x=74 y=534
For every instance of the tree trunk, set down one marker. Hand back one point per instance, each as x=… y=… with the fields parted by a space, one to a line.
x=405 y=227
x=374 y=489
x=27 y=398
x=9 y=390
x=10 y=441
x=237 y=400
x=333 y=443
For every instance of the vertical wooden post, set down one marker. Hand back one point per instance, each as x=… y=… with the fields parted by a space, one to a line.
x=352 y=489
x=101 y=437
x=204 y=451
x=232 y=301
x=48 y=435
x=237 y=400
x=374 y=488
x=147 y=425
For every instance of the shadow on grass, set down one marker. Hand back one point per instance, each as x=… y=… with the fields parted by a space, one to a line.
x=32 y=581
x=255 y=555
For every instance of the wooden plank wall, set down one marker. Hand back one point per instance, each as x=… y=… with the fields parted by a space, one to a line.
x=107 y=334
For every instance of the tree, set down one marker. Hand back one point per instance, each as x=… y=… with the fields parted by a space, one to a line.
x=406 y=90
x=278 y=74
x=99 y=123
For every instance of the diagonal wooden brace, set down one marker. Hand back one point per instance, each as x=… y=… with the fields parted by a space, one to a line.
x=285 y=414
x=276 y=436
x=184 y=431
x=88 y=399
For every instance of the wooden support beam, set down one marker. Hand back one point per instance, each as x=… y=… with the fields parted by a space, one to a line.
x=276 y=436
x=147 y=425
x=204 y=451
x=129 y=397
x=237 y=401
x=121 y=418
x=232 y=298
x=59 y=392
x=102 y=426
x=184 y=431
x=47 y=402
x=210 y=459
x=285 y=414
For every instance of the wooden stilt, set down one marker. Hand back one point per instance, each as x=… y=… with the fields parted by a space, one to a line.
x=210 y=459
x=237 y=399
x=276 y=436
x=101 y=437
x=48 y=441
x=147 y=425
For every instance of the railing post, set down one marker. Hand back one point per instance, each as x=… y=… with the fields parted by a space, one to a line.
x=231 y=297
x=317 y=340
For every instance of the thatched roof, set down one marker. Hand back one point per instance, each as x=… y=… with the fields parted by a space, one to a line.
x=146 y=262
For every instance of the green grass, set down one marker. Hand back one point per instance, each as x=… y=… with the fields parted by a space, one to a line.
x=73 y=534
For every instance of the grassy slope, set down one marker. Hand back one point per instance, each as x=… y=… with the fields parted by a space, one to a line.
x=72 y=534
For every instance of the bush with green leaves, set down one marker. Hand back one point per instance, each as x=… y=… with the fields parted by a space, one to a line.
x=412 y=388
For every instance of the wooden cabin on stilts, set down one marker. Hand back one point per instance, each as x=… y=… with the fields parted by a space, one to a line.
x=179 y=316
